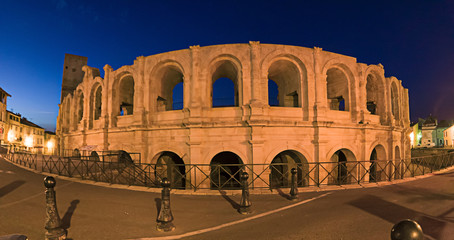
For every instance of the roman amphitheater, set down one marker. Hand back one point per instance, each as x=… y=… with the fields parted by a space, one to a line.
x=288 y=104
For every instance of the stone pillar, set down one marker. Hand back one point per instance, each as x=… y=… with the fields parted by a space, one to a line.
x=256 y=86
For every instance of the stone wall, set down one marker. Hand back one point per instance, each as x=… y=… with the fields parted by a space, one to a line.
x=131 y=108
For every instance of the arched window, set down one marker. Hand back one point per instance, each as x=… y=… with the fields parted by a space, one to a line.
x=395 y=101
x=225 y=84
x=170 y=93
x=80 y=107
x=287 y=78
x=97 y=103
x=126 y=103
x=337 y=90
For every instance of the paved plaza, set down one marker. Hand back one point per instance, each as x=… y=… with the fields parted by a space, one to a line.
x=97 y=212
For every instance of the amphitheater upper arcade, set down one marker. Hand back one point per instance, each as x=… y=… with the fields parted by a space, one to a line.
x=325 y=102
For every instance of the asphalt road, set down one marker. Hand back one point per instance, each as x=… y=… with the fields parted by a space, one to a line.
x=95 y=212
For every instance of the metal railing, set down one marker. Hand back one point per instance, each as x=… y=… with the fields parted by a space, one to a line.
x=110 y=169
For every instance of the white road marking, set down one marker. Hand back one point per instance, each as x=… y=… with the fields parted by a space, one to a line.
x=189 y=234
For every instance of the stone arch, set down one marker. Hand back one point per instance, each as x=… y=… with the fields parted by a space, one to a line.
x=288 y=79
x=225 y=171
x=340 y=74
x=343 y=169
x=94 y=156
x=395 y=109
x=377 y=168
x=226 y=67
x=76 y=153
x=337 y=89
x=281 y=166
x=79 y=107
x=124 y=157
x=294 y=71
x=375 y=95
x=167 y=75
x=95 y=103
x=171 y=166
x=123 y=93
x=66 y=113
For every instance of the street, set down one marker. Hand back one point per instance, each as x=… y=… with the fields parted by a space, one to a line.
x=96 y=212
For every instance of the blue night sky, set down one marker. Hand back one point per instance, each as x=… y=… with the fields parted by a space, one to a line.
x=414 y=40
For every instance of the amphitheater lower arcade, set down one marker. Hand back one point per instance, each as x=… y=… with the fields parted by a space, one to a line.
x=242 y=104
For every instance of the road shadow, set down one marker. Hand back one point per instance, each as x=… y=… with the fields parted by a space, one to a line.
x=66 y=220
x=10 y=187
x=282 y=194
x=158 y=205
x=394 y=213
x=234 y=204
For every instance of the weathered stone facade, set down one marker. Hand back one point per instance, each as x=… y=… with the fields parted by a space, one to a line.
x=327 y=102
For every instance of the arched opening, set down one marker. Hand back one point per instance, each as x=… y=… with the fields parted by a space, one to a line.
x=124 y=157
x=344 y=170
x=225 y=84
x=287 y=78
x=80 y=107
x=395 y=101
x=126 y=96
x=76 y=153
x=377 y=169
x=375 y=95
x=94 y=156
x=97 y=103
x=225 y=171
x=169 y=165
x=170 y=93
x=337 y=90
x=281 y=169
x=399 y=164
x=273 y=91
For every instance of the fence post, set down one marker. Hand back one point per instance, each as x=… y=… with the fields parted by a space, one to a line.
x=294 y=187
x=165 y=217
x=53 y=221
x=245 y=204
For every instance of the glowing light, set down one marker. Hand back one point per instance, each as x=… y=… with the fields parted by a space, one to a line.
x=11 y=136
x=412 y=137
x=50 y=144
x=419 y=136
x=28 y=142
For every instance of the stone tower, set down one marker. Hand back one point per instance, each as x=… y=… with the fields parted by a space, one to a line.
x=72 y=73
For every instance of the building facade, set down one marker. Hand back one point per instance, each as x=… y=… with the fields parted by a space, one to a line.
x=327 y=107
x=448 y=135
x=3 y=116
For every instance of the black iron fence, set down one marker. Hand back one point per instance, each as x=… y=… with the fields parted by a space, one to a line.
x=110 y=168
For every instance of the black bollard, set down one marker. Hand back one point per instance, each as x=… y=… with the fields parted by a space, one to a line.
x=407 y=230
x=53 y=221
x=165 y=216
x=245 y=204
x=294 y=187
